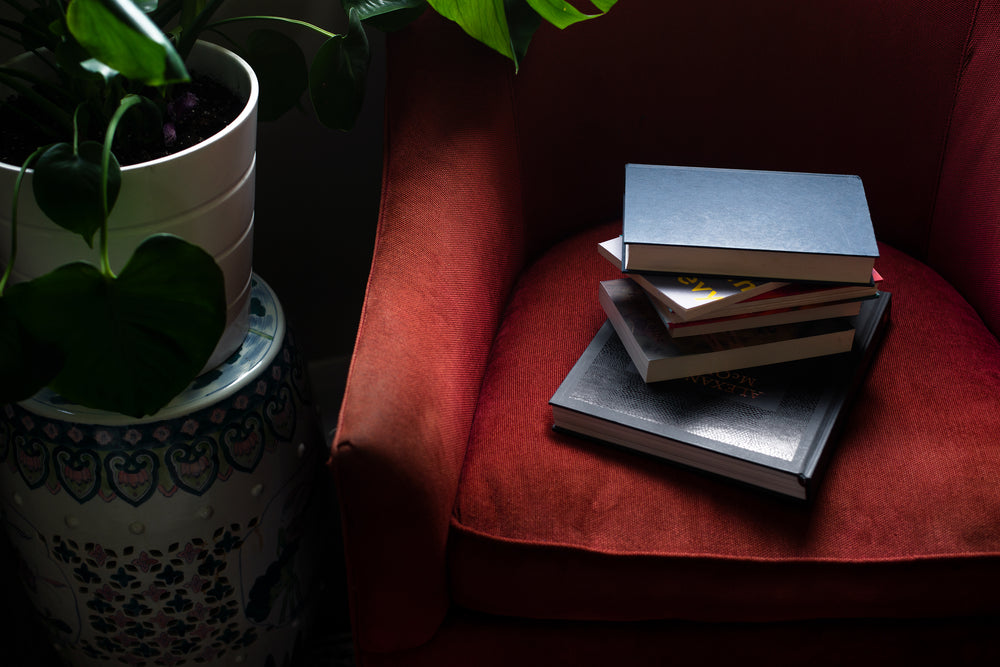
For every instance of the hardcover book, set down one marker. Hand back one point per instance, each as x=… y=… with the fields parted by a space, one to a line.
x=736 y=222
x=771 y=427
x=768 y=318
x=690 y=296
x=658 y=356
x=802 y=294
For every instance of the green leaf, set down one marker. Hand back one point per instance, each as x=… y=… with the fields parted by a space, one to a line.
x=117 y=33
x=67 y=187
x=508 y=25
x=337 y=76
x=523 y=22
x=97 y=67
x=387 y=15
x=367 y=9
x=483 y=20
x=26 y=363
x=281 y=70
x=133 y=342
x=562 y=14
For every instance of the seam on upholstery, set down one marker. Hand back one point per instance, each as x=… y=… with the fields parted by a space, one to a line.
x=596 y=551
x=377 y=242
x=965 y=56
x=508 y=82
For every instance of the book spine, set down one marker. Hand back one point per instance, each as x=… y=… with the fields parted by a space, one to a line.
x=873 y=335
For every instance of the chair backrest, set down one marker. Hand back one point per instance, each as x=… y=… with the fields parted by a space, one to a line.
x=903 y=93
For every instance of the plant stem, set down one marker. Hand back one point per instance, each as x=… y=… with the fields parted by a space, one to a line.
x=127 y=103
x=233 y=44
x=191 y=28
x=13 y=216
x=76 y=131
x=279 y=19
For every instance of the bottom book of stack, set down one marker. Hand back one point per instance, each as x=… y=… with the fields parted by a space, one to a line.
x=770 y=426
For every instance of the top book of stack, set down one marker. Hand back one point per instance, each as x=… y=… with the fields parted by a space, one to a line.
x=734 y=222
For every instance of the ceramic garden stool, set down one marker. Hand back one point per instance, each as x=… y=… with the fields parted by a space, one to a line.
x=184 y=538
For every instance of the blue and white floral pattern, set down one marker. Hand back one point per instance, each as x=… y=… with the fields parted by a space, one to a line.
x=206 y=554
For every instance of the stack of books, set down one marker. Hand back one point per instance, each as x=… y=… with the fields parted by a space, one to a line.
x=748 y=308
x=676 y=325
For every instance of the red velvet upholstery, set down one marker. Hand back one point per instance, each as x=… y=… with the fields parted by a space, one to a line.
x=655 y=541
x=476 y=535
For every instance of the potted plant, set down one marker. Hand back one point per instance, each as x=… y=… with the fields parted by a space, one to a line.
x=168 y=532
x=115 y=77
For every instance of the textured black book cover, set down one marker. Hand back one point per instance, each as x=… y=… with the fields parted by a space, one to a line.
x=767 y=426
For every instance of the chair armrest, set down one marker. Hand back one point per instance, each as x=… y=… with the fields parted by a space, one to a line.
x=447 y=250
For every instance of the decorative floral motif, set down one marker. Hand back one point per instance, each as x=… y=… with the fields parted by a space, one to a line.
x=280 y=413
x=32 y=459
x=193 y=466
x=244 y=442
x=79 y=471
x=132 y=474
x=133 y=462
x=189 y=613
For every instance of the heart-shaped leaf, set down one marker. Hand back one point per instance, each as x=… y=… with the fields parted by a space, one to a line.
x=281 y=70
x=337 y=77
x=67 y=187
x=133 y=342
x=117 y=33
x=26 y=363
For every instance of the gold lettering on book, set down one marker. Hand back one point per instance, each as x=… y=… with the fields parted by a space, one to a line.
x=730 y=383
x=699 y=286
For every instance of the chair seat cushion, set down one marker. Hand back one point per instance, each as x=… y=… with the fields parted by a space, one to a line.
x=906 y=521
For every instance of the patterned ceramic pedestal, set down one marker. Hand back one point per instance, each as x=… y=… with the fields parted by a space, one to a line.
x=180 y=539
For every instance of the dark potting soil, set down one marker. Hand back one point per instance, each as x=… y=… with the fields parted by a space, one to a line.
x=195 y=111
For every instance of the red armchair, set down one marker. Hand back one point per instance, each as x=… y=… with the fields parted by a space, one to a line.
x=475 y=535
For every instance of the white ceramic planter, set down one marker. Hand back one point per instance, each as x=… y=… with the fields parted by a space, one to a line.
x=204 y=194
x=190 y=537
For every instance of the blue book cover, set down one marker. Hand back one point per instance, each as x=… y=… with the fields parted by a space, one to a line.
x=773 y=224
